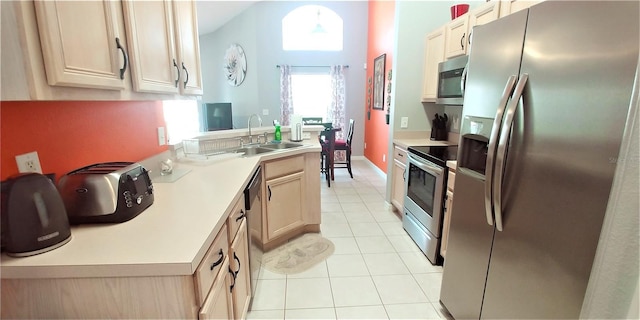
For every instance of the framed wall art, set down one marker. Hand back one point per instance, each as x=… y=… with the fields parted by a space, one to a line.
x=378 y=82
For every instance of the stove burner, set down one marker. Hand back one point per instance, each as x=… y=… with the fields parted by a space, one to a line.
x=436 y=154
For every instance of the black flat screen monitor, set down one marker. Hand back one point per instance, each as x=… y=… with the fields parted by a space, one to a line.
x=218 y=116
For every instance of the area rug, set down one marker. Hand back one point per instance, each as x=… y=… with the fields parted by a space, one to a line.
x=298 y=255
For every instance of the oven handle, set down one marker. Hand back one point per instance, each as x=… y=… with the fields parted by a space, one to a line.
x=495 y=130
x=426 y=165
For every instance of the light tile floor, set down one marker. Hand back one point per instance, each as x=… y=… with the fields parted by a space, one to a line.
x=376 y=271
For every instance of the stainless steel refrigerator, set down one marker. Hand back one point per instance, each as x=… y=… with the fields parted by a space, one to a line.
x=547 y=97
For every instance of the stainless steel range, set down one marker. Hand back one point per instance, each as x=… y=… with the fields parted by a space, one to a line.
x=425 y=187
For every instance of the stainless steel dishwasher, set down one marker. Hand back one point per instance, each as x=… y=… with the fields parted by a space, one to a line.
x=253 y=209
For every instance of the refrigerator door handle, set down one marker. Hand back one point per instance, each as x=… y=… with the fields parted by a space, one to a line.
x=503 y=146
x=463 y=79
x=495 y=130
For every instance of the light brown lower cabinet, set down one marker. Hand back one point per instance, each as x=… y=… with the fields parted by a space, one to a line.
x=219 y=304
x=239 y=256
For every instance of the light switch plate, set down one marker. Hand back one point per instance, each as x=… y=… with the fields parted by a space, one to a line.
x=404 y=122
x=265 y=112
x=162 y=138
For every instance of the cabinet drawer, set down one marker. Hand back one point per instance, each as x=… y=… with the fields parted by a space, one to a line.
x=235 y=219
x=400 y=154
x=451 y=179
x=283 y=167
x=211 y=264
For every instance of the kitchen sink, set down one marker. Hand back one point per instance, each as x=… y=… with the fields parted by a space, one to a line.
x=282 y=145
x=252 y=151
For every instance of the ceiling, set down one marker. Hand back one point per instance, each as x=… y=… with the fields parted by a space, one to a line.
x=213 y=14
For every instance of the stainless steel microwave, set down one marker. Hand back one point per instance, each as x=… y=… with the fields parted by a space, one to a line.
x=451 y=80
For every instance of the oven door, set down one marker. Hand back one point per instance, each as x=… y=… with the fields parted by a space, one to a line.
x=424 y=193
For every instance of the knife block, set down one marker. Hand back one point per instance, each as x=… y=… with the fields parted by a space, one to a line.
x=439 y=134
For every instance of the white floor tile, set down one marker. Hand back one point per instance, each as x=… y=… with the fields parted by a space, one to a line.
x=349 y=198
x=354 y=206
x=266 y=314
x=330 y=207
x=329 y=198
x=392 y=228
x=269 y=275
x=442 y=312
x=345 y=245
x=347 y=265
x=308 y=293
x=397 y=289
x=417 y=262
x=322 y=313
x=344 y=188
x=317 y=271
x=333 y=217
x=403 y=243
x=384 y=264
x=354 y=291
x=358 y=216
x=382 y=215
x=373 y=197
x=365 y=229
x=335 y=230
x=370 y=312
x=430 y=284
x=411 y=311
x=367 y=190
x=270 y=295
x=378 y=244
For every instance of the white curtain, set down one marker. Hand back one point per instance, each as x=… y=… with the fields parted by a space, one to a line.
x=336 y=110
x=286 y=95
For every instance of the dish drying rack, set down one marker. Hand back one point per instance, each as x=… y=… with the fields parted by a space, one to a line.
x=209 y=148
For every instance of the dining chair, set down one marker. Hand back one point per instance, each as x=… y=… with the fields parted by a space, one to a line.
x=345 y=145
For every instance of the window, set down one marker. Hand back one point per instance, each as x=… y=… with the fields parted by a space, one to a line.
x=311 y=94
x=181 y=118
x=312 y=27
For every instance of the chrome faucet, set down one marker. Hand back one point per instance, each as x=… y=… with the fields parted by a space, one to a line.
x=249 y=125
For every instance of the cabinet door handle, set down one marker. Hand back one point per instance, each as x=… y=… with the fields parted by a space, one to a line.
x=217 y=263
x=235 y=257
x=124 y=55
x=404 y=174
x=462 y=41
x=178 y=71
x=269 y=189
x=234 y=280
x=187 y=73
x=241 y=216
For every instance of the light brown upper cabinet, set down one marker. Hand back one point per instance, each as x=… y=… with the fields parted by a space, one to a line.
x=459 y=31
x=434 y=54
x=508 y=7
x=99 y=50
x=456 y=37
x=187 y=46
x=160 y=63
x=83 y=43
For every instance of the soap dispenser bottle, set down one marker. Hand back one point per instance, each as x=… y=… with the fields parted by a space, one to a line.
x=278 y=134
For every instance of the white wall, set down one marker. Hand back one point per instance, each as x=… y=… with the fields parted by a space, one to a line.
x=258 y=31
x=413 y=21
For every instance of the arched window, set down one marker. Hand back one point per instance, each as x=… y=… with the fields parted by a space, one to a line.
x=313 y=28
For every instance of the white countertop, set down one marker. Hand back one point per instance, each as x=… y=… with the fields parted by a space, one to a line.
x=453 y=164
x=168 y=238
x=405 y=143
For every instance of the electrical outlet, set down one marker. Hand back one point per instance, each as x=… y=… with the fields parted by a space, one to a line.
x=29 y=162
x=384 y=158
x=265 y=112
x=306 y=135
x=404 y=122
x=162 y=138
x=365 y=145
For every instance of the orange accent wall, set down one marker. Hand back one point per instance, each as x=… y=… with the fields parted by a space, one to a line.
x=71 y=134
x=380 y=40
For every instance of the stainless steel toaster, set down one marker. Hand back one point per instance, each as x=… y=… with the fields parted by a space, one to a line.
x=107 y=192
